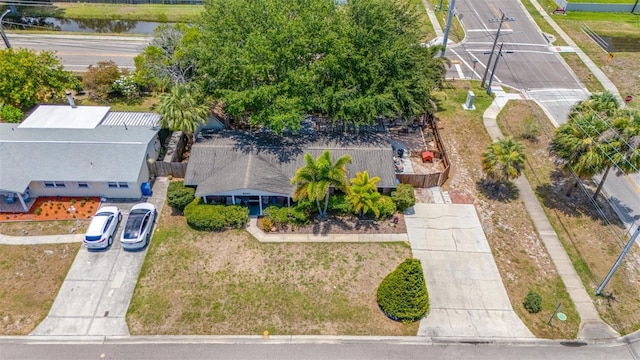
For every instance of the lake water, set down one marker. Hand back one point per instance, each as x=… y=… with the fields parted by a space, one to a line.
x=84 y=25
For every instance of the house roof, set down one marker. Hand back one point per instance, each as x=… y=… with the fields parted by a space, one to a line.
x=65 y=117
x=104 y=153
x=230 y=161
x=125 y=118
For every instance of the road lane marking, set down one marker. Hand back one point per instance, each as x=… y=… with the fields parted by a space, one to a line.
x=459 y=70
x=632 y=183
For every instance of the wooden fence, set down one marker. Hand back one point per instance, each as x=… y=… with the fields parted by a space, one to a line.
x=175 y=169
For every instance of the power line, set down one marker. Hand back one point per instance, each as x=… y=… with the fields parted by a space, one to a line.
x=502 y=19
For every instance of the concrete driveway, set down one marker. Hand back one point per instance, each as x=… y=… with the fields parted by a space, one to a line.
x=95 y=295
x=468 y=298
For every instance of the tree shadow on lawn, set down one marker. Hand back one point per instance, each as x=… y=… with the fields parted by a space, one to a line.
x=500 y=191
x=579 y=203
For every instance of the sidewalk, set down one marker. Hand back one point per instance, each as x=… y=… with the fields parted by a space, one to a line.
x=591 y=326
x=38 y=240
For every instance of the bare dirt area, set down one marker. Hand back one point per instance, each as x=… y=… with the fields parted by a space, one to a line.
x=228 y=283
x=593 y=237
x=30 y=277
x=346 y=225
x=521 y=257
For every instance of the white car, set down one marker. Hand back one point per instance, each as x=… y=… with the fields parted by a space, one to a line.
x=139 y=226
x=102 y=228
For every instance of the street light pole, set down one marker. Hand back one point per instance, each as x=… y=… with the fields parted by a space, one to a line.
x=502 y=19
x=4 y=36
x=493 y=71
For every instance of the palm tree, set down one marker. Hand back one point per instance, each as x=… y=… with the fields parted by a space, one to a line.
x=364 y=194
x=603 y=103
x=182 y=110
x=315 y=178
x=582 y=148
x=503 y=160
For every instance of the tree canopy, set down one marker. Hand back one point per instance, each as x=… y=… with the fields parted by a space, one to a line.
x=27 y=78
x=271 y=62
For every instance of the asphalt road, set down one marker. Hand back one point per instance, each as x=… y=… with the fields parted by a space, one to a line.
x=304 y=348
x=78 y=51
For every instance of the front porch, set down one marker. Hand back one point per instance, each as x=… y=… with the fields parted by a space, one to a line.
x=255 y=203
x=15 y=202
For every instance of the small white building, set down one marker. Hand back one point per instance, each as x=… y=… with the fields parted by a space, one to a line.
x=62 y=150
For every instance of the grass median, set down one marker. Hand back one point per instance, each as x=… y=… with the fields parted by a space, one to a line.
x=230 y=284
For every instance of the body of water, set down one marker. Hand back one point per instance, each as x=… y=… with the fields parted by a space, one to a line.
x=84 y=25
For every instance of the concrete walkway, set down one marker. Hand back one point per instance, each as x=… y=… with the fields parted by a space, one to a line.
x=591 y=326
x=37 y=240
x=95 y=295
x=467 y=295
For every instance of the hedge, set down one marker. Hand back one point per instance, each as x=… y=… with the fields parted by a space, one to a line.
x=179 y=196
x=215 y=217
x=402 y=295
x=404 y=197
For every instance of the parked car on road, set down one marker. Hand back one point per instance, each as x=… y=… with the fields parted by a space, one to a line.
x=139 y=226
x=102 y=228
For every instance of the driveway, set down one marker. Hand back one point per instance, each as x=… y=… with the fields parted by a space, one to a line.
x=468 y=298
x=95 y=295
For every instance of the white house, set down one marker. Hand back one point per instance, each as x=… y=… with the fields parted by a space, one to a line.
x=62 y=150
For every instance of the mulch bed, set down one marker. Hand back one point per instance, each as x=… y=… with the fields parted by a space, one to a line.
x=346 y=225
x=56 y=208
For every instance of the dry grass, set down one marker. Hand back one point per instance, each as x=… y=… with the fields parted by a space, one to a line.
x=30 y=277
x=522 y=259
x=228 y=283
x=592 y=242
x=32 y=228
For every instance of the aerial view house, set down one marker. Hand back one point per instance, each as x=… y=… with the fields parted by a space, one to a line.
x=62 y=150
x=255 y=170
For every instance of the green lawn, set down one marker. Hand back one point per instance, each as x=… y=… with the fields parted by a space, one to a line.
x=141 y=12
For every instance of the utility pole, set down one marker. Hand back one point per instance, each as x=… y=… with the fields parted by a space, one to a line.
x=445 y=39
x=502 y=19
x=4 y=36
x=495 y=65
x=619 y=261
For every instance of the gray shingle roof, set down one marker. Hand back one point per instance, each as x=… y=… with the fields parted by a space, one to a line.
x=105 y=153
x=232 y=160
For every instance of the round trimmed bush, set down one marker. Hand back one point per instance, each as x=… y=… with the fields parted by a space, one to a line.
x=402 y=295
x=403 y=196
x=179 y=196
x=10 y=114
x=533 y=302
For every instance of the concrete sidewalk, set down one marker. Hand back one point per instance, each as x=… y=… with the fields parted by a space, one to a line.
x=38 y=240
x=591 y=326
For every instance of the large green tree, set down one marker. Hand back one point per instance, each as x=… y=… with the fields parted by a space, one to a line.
x=28 y=78
x=314 y=179
x=182 y=109
x=605 y=104
x=273 y=61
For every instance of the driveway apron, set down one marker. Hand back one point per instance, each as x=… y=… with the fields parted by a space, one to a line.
x=96 y=293
x=468 y=298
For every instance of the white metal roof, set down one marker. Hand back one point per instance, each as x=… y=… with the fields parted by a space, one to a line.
x=65 y=117
x=123 y=118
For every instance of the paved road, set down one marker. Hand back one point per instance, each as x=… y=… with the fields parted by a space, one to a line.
x=354 y=348
x=79 y=51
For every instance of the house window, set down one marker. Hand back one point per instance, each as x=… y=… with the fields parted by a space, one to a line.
x=116 y=185
x=112 y=185
x=123 y=185
x=49 y=184
x=54 y=184
x=60 y=184
x=83 y=185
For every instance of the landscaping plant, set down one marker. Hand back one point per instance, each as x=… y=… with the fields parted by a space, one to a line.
x=179 y=196
x=402 y=295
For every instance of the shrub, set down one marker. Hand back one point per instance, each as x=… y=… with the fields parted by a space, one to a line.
x=280 y=216
x=386 y=206
x=215 y=217
x=38 y=211
x=402 y=295
x=533 y=302
x=267 y=225
x=99 y=79
x=10 y=114
x=403 y=196
x=530 y=129
x=125 y=86
x=338 y=204
x=179 y=196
